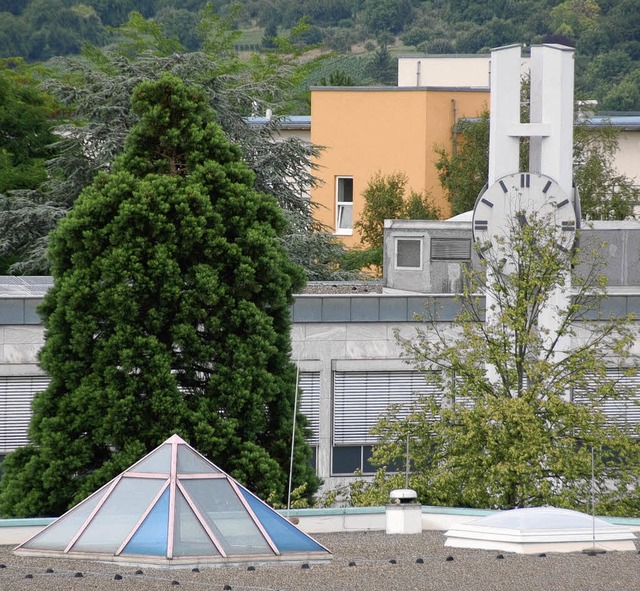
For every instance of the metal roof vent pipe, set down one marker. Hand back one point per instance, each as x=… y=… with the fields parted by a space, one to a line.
x=404 y=513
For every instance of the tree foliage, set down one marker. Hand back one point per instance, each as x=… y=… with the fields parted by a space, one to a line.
x=97 y=90
x=169 y=313
x=382 y=67
x=463 y=173
x=505 y=433
x=604 y=193
x=27 y=116
x=40 y=29
x=385 y=199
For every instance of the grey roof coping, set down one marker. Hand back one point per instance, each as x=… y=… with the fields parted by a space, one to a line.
x=446 y=55
x=623 y=121
x=402 y=88
x=19 y=297
x=289 y=122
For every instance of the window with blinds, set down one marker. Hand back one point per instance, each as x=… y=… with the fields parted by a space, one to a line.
x=622 y=412
x=309 y=384
x=450 y=249
x=362 y=398
x=16 y=395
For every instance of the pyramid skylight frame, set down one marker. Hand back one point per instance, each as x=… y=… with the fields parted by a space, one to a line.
x=174 y=507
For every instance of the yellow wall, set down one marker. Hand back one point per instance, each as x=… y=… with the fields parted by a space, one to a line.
x=366 y=130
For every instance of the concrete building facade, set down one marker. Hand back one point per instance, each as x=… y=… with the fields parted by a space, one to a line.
x=351 y=365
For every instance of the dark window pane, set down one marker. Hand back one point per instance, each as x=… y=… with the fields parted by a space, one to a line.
x=408 y=253
x=313 y=460
x=346 y=460
x=367 y=452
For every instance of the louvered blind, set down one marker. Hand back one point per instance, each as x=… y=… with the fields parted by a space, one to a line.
x=309 y=383
x=621 y=412
x=450 y=249
x=16 y=394
x=362 y=398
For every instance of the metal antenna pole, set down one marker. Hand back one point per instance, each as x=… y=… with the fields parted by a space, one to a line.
x=293 y=436
x=406 y=475
x=593 y=500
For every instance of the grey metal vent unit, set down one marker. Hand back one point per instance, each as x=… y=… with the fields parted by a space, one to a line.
x=409 y=253
x=450 y=249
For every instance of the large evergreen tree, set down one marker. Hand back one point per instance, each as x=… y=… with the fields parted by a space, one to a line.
x=169 y=313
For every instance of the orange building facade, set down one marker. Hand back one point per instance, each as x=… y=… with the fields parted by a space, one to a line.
x=365 y=130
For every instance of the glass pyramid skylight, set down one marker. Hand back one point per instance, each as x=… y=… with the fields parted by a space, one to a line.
x=174 y=505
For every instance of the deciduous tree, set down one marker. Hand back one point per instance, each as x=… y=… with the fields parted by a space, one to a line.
x=385 y=199
x=512 y=437
x=604 y=192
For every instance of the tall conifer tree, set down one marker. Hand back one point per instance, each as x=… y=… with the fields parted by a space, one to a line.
x=169 y=313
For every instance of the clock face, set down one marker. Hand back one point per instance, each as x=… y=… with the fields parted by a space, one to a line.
x=515 y=199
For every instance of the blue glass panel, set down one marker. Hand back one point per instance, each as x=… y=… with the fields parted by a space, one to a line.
x=152 y=535
x=286 y=536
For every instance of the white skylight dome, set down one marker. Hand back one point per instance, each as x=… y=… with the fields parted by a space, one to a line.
x=540 y=529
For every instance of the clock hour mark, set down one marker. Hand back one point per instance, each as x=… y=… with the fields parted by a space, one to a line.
x=504 y=187
x=568 y=226
x=561 y=247
x=486 y=202
x=546 y=187
x=562 y=203
x=487 y=246
x=525 y=181
x=481 y=225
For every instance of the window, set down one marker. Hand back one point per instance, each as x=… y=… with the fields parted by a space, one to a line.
x=361 y=399
x=348 y=459
x=309 y=384
x=409 y=253
x=16 y=395
x=344 y=199
x=450 y=249
x=623 y=411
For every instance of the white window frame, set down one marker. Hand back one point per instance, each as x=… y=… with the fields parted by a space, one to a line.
x=419 y=239
x=343 y=206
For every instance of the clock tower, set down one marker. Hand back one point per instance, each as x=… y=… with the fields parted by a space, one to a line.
x=547 y=186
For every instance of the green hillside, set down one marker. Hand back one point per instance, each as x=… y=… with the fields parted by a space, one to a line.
x=606 y=33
